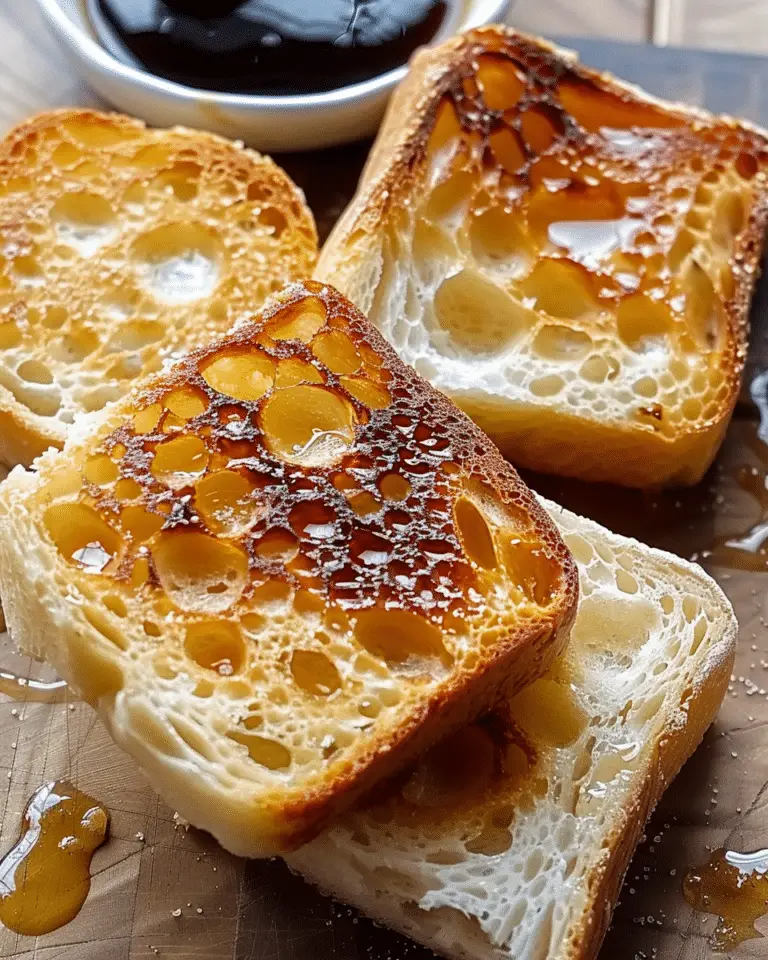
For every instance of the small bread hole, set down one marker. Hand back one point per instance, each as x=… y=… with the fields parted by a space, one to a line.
x=530 y=570
x=699 y=632
x=703 y=310
x=559 y=289
x=33 y=371
x=447 y=128
x=501 y=83
x=199 y=572
x=479 y=316
x=476 y=537
x=337 y=352
x=216 y=645
x=308 y=425
x=224 y=500
x=181 y=179
x=397 y=636
x=394 y=487
x=626 y=582
x=292 y=371
x=179 y=262
x=100 y=470
x=66 y=155
x=646 y=387
x=560 y=343
x=274 y=220
x=186 y=403
x=730 y=217
x=314 y=672
x=146 y=420
x=140 y=524
x=299 y=322
x=176 y=460
x=548 y=386
x=363 y=503
x=84 y=221
x=268 y=753
x=10 y=335
x=81 y=536
x=244 y=375
x=599 y=368
x=594 y=107
x=643 y=324
x=116 y=605
x=375 y=396
x=278 y=545
x=746 y=166
x=75 y=346
x=498 y=242
x=548 y=713
x=507 y=149
x=136 y=335
x=541 y=125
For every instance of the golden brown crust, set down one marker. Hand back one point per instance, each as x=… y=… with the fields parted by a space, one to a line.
x=676 y=450
x=123 y=245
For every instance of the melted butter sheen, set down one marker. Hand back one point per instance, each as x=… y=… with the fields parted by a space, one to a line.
x=733 y=886
x=45 y=876
x=267 y=46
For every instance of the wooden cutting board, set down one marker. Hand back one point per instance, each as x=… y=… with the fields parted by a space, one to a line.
x=162 y=891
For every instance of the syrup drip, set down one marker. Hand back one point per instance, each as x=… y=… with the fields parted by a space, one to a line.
x=32 y=691
x=45 y=877
x=749 y=551
x=733 y=886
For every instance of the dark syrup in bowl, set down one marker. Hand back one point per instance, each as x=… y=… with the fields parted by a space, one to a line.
x=272 y=47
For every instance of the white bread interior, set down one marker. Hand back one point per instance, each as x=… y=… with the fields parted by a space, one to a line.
x=527 y=863
x=567 y=258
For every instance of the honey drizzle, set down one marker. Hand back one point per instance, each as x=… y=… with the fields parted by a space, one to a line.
x=45 y=876
x=749 y=550
x=734 y=886
x=28 y=690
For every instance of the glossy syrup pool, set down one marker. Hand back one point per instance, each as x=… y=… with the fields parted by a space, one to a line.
x=45 y=876
x=747 y=549
x=734 y=887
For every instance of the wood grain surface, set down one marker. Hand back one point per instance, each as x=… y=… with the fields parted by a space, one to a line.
x=153 y=867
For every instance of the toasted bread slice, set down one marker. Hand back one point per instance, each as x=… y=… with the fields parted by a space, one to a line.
x=122 y=246
x=511 y=839
x=570 y=260
x=281 y=569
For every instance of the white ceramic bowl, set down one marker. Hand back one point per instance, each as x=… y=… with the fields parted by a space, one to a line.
x=268 y=123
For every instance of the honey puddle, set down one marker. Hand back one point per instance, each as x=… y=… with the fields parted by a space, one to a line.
x=734 y=886
x=750 y=550
x=39 y=691
x=45 y=877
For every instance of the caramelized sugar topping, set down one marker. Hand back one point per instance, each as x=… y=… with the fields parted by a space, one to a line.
x=297 y=479
x=599 y=230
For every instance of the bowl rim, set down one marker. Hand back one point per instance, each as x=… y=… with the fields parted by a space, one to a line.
x=78 y=39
